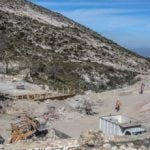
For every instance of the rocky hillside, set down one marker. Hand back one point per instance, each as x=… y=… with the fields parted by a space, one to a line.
x=61 y=52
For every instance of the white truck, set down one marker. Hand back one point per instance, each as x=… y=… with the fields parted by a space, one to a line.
x=120 y=125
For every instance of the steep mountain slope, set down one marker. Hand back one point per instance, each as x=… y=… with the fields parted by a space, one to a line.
x=61 y=52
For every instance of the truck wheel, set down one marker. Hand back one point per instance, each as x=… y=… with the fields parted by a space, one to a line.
x=127 y=133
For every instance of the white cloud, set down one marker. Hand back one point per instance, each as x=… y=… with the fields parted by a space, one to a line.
x=111 y=17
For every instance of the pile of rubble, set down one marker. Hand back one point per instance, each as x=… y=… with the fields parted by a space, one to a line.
x=95 y=140
x=91 y=139
x=26 y=128
x=85 y=105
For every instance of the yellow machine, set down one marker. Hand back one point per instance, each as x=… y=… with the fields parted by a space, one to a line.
x=24 y=129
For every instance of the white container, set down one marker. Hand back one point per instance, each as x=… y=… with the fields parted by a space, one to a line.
x=120 y=125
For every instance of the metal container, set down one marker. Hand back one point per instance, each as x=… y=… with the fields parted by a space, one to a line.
x=120 y=125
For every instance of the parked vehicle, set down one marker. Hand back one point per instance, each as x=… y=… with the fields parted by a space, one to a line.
x=120 y=125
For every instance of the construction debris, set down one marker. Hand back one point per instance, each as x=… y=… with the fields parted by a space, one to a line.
x=84 y=105
x=24 y=129
x=91 y=138
x=55 y=134
x=51 y=115
x=21 y=90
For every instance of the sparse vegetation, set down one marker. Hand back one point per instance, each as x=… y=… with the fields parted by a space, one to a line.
x=67 y=56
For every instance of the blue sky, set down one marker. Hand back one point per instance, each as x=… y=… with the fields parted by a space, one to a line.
x=126 y=22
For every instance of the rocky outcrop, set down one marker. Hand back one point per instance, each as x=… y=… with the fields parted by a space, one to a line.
x=91 y=139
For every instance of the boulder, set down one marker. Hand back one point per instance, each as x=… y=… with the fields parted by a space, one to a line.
x=91 y=138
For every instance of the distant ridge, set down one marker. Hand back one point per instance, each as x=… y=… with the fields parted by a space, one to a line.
x=143 y=51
